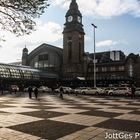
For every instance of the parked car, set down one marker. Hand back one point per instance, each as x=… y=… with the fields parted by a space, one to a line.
x=109 y=90
x=78 y=90
x=101 y=91
x=65 y=89
x=137 y=92
x=26 y=89
x=121 y=91
x=95 y=91
x=44 y=89
x=57 y=90
x=14 y=88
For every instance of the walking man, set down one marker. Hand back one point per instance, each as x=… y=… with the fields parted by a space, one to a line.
x=36 y=92
x=30 y=90
x=61 y=92
x=133 y=91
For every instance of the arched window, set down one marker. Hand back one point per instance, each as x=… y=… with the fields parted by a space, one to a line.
x=69 y=50
x=79 y=52
x=130 y=69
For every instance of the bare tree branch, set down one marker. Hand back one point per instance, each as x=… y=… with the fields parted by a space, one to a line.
x=17 y=16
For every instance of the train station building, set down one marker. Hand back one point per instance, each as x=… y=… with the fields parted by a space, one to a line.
x=71 y=64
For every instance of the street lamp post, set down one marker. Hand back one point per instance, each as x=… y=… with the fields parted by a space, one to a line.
x=94 y=27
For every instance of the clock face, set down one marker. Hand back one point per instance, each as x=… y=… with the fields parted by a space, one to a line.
x=70 y=18
x=79 y=19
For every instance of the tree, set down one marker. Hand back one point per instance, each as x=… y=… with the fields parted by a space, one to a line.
x=17 y=16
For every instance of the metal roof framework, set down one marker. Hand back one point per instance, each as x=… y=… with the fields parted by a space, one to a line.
x=23 y=72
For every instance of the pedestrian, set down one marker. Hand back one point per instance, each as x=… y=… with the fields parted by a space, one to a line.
x=30 y=90
x=36 y=92
x=15 y=90
x=2 y=88
x=10 y=89
x=52 y=88
x=61 y=92
x=76 y=93
x=133 y=91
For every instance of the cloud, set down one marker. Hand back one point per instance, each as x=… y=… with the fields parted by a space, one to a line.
x=104 y=8
x=48 y=32
x=107 y=43
x=63 y=3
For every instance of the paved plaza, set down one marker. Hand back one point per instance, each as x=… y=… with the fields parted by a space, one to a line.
x=73 y=118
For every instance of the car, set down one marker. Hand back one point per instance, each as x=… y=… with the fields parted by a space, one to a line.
x=26 y=89
x=43 y=89
x=78 y=90
x=57 y=90
x=14 y=88
x=95 y=91
x=109 y=90
x=121 y=91
x=65 y=89
x=101 y=91
x=68 y=90
x=137 y=92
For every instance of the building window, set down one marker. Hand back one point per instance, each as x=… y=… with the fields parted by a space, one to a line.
x=97 y=69
x=43 y=57
x=36 y=65
x=46 y=64
x=112 y=68
x=69 y=50
x=89 y=70
x=121 y=68
x=79 y=52
x=41 y=64
x=43 y=61
x=68 y=70
x=104 y=69
x=130 y=70
x=115 y=55
x=69 y=38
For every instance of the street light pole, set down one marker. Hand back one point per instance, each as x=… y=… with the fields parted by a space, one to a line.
x=94 y=27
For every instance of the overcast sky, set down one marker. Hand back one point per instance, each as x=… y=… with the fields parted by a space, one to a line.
x=118 y=23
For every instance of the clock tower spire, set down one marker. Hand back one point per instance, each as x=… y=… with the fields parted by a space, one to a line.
x=73 y=42
x=73 y=17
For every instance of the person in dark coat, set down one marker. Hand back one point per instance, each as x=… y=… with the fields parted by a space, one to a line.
x=52 y=88
x=30 y=90
x=36 y=92
x=2 y=88
x=61 y=92
x=133 y=91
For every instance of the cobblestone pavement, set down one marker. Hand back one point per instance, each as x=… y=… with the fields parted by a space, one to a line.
x=73 y=118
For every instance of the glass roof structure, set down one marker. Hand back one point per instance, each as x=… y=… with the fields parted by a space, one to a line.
x=23 y=72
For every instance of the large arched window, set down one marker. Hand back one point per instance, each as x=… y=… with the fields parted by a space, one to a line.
x=43 y=60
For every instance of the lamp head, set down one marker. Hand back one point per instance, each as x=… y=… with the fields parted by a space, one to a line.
x=94 y=25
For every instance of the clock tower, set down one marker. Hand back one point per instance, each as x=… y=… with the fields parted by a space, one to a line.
x=73 y=43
